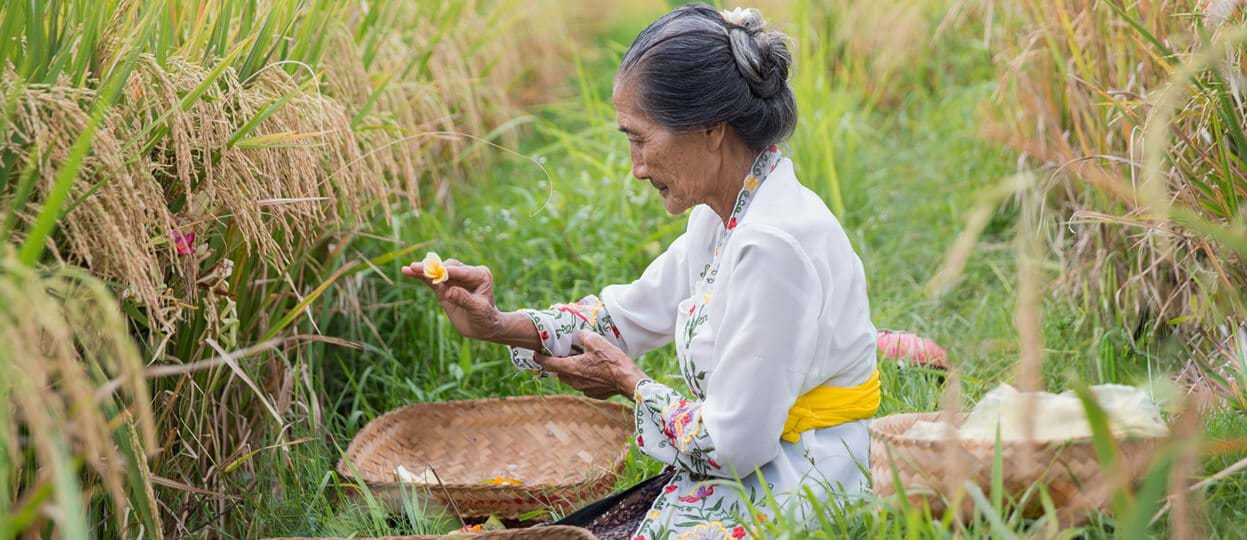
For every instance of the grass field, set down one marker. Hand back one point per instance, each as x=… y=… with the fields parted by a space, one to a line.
x=909 y=178
x=336 y=142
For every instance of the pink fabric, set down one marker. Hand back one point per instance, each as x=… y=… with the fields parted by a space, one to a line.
x=185 y=243
x=905 y=346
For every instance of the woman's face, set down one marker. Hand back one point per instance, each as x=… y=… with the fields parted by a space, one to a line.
x=681 y=166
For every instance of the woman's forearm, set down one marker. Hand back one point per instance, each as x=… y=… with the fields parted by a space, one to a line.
x=515 y=329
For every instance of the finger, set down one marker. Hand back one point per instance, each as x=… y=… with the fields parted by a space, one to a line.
x=460 y=296
x=572 y=381
x=452 y=262
x=592 y=341
x=416 y=270
x=556 y=364
x=468 y=276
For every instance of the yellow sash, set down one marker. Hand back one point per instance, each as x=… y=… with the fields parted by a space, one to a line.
x=827 y=406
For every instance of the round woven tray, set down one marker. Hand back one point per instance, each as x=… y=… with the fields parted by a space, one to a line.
x=930 y=471
x=565 y=449
x=555 y=532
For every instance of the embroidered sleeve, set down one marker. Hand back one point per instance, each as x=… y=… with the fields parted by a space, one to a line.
x=670 y=429
x=559 y=326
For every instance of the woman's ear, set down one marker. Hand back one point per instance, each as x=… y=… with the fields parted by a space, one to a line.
x=716 y=135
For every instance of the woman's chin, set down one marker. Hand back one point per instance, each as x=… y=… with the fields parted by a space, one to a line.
x=673 y=206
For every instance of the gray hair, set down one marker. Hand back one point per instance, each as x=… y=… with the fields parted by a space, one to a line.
x=697 y=69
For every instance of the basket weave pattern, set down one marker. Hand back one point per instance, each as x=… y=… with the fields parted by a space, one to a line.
x=932 y=471
x=566 y=450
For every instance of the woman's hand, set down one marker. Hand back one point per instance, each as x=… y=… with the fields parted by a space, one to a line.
x=600 y=372
x=467 y=296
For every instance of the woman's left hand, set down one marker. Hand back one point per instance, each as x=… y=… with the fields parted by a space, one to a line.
x=600 y=372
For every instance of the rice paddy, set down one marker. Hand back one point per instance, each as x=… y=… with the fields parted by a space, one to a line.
x=206 y=205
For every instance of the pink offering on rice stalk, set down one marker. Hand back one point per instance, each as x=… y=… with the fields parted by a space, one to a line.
x=184 y=243
x=909 y=347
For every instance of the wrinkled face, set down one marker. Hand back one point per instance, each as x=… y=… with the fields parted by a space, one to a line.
x=681 y=166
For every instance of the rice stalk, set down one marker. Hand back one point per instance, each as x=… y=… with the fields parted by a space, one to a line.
x=61 y=335
x=1082 y=81
x=112 y=231
x=425 y=73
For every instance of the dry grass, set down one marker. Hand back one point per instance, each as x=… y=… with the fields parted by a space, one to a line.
x=1081 y=84
x=423 y=81
x=63 y=336
x=112 y=231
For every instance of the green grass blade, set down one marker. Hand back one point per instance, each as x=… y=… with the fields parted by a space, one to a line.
x=268 y=110
x=10 y=30
x=50 y=213
x=998 y=474
x=25 y=186
x=985 y=509
x=68 y=495
x=1135 y=521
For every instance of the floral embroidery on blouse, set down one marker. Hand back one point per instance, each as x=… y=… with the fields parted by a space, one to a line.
x=684 y=441
x=679 y=435
x=713 y=530
x=679 y=423
x=559 y=328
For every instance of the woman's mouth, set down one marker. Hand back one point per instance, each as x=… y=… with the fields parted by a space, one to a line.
x=662 y=188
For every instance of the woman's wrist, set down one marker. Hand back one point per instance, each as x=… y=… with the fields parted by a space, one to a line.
x=628 y=382
x=515 y=329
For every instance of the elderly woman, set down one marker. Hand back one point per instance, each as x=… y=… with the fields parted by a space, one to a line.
x=762 y=294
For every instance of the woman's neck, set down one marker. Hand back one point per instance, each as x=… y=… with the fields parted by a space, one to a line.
x=732 y=175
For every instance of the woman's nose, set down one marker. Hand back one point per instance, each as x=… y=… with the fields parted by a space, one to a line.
x=639 y=172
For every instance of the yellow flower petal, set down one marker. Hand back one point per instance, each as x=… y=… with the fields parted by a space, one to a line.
x=434 y=269
x=504 y=481
x=751 y=182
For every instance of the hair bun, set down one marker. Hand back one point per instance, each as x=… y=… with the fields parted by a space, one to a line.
x=762 y=56
x=698 y=67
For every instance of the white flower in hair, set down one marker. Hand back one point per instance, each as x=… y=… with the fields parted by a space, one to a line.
x=735 y=16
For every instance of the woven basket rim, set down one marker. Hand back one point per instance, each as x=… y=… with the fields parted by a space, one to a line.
x=618 y=460
x=974 y=444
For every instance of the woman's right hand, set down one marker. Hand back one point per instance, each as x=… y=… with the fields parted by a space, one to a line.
x=467 y=296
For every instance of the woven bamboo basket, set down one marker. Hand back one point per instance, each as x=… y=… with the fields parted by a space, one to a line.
x=565 y=449
x=931 y=472
x=556 y=532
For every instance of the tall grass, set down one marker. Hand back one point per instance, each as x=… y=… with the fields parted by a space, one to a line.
x=214 y=162
x=1082 y=83
x=72 y=397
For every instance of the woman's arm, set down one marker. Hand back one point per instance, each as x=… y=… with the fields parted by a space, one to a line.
x=635 y=318
x=516 y=330
x=558 y=332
